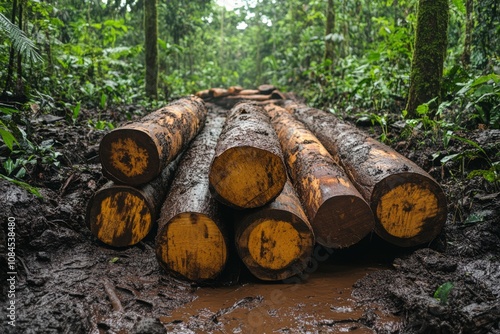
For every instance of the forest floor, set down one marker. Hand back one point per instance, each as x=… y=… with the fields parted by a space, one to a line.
x=68 y=282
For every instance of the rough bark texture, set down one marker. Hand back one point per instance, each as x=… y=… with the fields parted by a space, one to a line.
x=330 y=22
x=275 y=241
x=231 y=100
x=339 y=215
x=248 y=169
x=151 y=47
x=120 y=215
x=137 y=152
x=192 y=242
x=409 y=206
x=431 y=38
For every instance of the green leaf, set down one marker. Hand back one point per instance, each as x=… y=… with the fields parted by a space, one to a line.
x=114 y=260
x=8 y=138
x=476 y=217
x=443 y=292
x=23 y=185
x=459 y=4
x=423 y=109
x=447 y=158
x=20 y=42
x=486 y=78
x=76 y=111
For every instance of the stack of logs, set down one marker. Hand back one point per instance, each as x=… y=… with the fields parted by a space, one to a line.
x=271 y=180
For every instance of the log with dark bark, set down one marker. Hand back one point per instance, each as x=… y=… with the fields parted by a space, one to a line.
x=248 y=169
x=121 y=215
x=338 y=214
x=409 y=205
x=233 y=90
x=266 y=89
x=192 y=242
x=218 y=92
x=275 y=241
x=136 y=153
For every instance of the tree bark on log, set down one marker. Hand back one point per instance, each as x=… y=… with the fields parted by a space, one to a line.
x=275 y=241
x=248 y=169
x=266 y=89
x=192 y=242
x=136 y=153
x=231 y=100
x=121 y=215
x=338 y=214
x=409 y=205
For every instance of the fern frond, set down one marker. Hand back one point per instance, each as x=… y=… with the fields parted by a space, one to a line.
x=20 y=42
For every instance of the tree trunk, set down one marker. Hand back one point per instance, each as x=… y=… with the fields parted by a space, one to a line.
x=429 y=53
x=151 y=47
x=121 y=215
x=275 y=241
x=192 y=242
x=409 y=206
x=248 y=169
x=330 y=22
x=469 y=24
x=339 y=215
x=137 y=152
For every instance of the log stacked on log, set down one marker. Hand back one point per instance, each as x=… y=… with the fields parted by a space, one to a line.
x=228 y=98
x=409 y=205
x=247 y=170
x=192 y=242
x=136 y=153
x=121 y=215
x=123 y=212
x=275 y=241
x=339 y=215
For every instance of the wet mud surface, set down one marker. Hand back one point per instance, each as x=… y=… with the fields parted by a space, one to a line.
x=68 y=282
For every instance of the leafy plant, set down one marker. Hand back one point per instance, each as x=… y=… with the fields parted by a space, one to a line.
x=20 y=42
x=442 y=292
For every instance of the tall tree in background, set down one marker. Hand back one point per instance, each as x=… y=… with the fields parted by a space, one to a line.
x=469 y=24
x=151 y=47
x=330 y=22
x=431 y=41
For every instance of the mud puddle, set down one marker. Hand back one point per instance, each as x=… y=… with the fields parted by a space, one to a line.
x=318 y=303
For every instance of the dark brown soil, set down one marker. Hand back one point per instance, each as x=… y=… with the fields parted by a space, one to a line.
x=68 y=282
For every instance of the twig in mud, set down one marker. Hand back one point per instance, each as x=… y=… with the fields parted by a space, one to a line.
x=113 y=298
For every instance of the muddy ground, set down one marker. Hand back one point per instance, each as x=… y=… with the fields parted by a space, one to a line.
x=68 y=282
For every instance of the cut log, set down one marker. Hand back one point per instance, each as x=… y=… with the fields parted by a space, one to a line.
x=230 y=101
x=192 y=242
x=204 y=94
x=248 y=169
x=338 y=214
x=409 y=205
x=233 y=90
x=136 y=153
x=218 y=92
x=249 y=92
x=276 y=241
x=121 y=215
x=266 y=89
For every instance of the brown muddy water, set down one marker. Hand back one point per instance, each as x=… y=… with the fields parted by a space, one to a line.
x=319 y=302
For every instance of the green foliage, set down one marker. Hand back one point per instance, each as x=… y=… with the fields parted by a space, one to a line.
x=20 y=42
x=442 y=292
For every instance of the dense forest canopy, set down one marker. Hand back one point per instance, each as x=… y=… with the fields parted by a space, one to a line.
x=350 y=56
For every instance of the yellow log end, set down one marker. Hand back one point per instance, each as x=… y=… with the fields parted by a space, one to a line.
x=193 y=246
x=247 y=177
x=130 y=156
x=403 y=211
x=121 y=219
x=274 y=244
